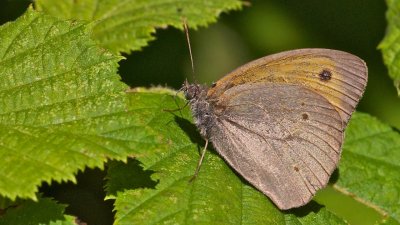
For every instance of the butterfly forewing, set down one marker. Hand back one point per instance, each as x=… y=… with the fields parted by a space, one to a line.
x=284 y=139
x=338 y=76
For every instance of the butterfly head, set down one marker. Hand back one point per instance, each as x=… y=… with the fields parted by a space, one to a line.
x=191 y=91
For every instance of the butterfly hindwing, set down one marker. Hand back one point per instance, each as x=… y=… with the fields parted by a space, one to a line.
x=284 y=139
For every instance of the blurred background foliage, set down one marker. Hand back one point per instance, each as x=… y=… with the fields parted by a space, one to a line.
x=264 y=27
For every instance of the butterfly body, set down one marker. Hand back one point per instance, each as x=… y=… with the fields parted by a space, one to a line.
x=279 y=121
x=202 y=110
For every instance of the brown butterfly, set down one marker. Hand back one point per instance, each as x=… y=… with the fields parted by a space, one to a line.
x=279 y=120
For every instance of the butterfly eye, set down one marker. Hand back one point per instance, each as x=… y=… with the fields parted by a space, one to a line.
x=188 y=94
x=191 y=91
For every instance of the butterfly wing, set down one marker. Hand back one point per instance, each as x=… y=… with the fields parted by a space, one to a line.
x=338 y=76
x=284 y=139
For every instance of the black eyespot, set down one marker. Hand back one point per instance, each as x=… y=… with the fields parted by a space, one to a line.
x=305 y=116
x=296 y=168
x=325 y=75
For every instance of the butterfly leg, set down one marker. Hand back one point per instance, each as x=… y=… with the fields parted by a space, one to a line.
x=179 y=108
x=203 y=153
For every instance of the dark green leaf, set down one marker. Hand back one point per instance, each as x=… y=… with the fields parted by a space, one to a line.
x=45 y=211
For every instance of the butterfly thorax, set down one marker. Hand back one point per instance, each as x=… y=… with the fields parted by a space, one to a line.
x=201 y=109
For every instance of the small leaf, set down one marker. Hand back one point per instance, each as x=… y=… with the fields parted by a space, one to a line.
x=370 y=165
x=217 y=196
x=44 y=211
x=124 y=26
x=390 y=45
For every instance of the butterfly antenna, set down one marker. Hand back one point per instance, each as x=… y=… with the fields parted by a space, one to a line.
x=186 y=84
x=186 y=28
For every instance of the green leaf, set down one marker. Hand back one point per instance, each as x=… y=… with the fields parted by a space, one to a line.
x=124 y=26
x=390 y=44
x=44 y=211
x=59 y=93
x=216 y=196
x=370 y=165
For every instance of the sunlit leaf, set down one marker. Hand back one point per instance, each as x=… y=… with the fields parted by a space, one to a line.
x=124 y=26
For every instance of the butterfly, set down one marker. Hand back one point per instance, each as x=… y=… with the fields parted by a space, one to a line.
x=279 y=121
